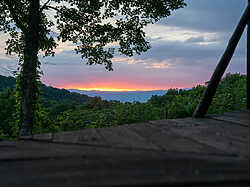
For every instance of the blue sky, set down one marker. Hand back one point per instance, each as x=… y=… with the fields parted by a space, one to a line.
x=185 y=50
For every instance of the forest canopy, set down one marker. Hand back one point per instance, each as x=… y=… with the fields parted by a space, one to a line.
x=58 y=116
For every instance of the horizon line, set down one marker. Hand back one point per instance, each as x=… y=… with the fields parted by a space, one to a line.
x=123 y=90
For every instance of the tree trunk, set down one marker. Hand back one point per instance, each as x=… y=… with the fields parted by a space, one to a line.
x=28 y=78
x=208 y=95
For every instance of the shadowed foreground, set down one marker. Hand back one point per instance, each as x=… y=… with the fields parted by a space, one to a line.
x=214 y=151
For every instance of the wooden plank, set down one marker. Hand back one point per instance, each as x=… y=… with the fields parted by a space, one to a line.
x=88 y=171
x=169 y=141
x=36 y=150
x=88 y=137
x=211 y=132
x=122 y=137
x=230 y=130
x=240 y=111
x=50 y=164
x=227 y=129
x=238 y=117
x=43 y=137
x=181 y=122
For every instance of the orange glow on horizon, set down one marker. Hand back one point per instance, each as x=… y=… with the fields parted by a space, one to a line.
x=113 y=89
x=116 y=86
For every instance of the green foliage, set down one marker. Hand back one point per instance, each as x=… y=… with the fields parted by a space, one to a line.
x=180 y=103
x=7 y=82
x=57 y=116
x=47 y=92
x=116 y=114
x=62 y=95
x=8 y=117
x=91 y=25
x=22 y=84
x=230 y=95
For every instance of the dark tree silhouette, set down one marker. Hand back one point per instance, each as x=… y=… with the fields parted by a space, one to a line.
x=37 y=26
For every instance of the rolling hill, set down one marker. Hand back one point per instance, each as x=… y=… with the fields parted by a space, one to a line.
x=48 y=92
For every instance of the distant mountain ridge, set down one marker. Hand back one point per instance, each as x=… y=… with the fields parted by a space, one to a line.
x=7 y=82
x=123 y=96
x=48 y=92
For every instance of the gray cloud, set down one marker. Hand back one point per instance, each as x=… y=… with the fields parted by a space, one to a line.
x=196 y=39
x=185 y=63
x=214 y=16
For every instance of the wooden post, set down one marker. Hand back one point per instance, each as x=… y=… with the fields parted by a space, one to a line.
x=166 y=114
x=208 y=95
x=248 y=63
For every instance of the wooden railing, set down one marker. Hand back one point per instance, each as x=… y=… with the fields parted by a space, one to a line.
x=209 y=93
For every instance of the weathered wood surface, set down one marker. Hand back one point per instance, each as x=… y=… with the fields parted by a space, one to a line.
x=237 y=117
x=212 y=151
x=215 y=134
x=169 y=141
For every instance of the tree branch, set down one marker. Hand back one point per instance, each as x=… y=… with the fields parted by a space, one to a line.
x=45 y=5
x=54 y=8
x=15 y=16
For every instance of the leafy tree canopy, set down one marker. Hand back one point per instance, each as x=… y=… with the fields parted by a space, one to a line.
x=98 y=28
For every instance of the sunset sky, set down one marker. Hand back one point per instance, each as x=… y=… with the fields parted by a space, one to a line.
x=185 y=50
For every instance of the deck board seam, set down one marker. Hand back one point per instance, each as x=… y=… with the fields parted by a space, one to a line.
x=228 y=121
x=196 y=141
x=147 y=140
x=128 y=148
x=99 y=146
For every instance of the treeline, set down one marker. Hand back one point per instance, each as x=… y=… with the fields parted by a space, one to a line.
x=230 y=95
x=58 y=116
x=7 y=82
x=47 y=92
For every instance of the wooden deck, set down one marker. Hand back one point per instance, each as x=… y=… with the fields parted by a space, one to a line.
x=213 y=151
